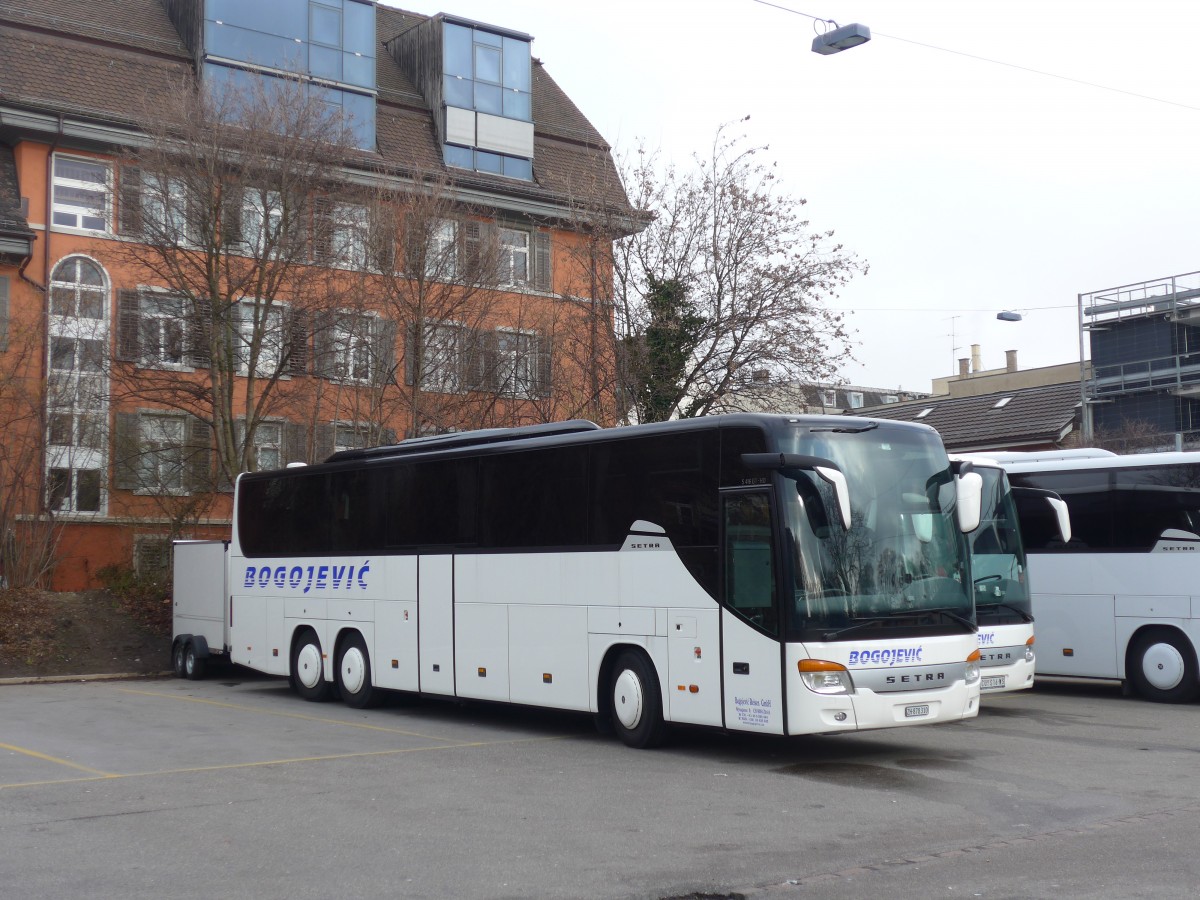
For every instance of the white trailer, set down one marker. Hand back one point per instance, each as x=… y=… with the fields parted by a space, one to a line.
x=201 y=622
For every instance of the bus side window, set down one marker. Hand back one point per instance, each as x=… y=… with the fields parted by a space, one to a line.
x=749 y=563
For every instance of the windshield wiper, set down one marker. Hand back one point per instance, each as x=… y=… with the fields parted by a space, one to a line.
x=1020 y=612
x=862 y=623
x=846 y=429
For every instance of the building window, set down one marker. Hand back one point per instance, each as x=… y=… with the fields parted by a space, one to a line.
x=352 y=348
x=891 y=398
x=445 y=358
x=829 y=398
x=441 y=254
x=152 y=556
x=513 y=261
x=854 y=399
x=349 y=437
x=161 y=330
x=73 y=490
x=261 y=339
x=165 y=218
x=923 y=413
x=349 y=232
x=82 y=193
x=517 y=363
x=268 y=446
x=77 y=289
x=262 y=221
x=160 y=462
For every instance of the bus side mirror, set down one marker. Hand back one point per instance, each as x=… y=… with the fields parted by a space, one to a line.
x=1059 y=506
x=827 y=470
x=970 y=501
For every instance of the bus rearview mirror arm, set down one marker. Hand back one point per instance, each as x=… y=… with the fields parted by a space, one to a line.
x=827 y=470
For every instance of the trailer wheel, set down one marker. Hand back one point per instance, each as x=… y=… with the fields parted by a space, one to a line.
x=308 y=670
x=354 y=673
x=636 y=701
x=179 y=659
x=1162 y=667
x=194 y=666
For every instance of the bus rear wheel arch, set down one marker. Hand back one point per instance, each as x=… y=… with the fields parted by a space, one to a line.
x=635 y=700
x=1161 y=666
x=354 y=672
x=308 y=668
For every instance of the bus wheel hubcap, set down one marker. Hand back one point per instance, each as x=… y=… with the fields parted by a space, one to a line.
x=308 y=666
x=354 y=670
x=1163 y=666
x=627 y=699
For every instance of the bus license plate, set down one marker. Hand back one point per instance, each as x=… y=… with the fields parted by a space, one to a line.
x=992 y=682
x=911 y=712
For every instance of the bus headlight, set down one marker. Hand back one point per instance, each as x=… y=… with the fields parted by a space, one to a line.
x=824 y=677
x=972 y=670
x=1029 y=650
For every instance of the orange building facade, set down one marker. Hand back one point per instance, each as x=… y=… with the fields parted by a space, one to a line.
x=132 y=392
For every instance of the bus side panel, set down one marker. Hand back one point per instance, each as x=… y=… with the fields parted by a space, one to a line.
x=753 y=679
x=549 y=656
x=435 y=623
x=694 y=666
x=278 y=639
x=1081 y=623
x=395 y=663
x=481 y=650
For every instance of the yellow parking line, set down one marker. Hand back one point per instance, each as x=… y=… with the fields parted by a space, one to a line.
x=288 y=715
x=25 y=751
x=105 y=776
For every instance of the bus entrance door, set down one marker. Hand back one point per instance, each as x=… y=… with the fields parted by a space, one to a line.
x=750 y=650
x=435 y=622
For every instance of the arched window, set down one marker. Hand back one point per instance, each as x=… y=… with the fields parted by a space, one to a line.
x=77 y=289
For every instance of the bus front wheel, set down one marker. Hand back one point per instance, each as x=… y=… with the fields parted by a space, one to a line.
x=1162 y=667
x=354 y=673
x=636 y=701
x=308 y=668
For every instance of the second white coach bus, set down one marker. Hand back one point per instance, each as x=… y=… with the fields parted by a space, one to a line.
x=1121 y=598
x=781 y=575
x=1000 y=573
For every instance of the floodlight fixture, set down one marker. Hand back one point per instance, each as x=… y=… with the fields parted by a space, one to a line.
x=1008 y=316
x=840 y=38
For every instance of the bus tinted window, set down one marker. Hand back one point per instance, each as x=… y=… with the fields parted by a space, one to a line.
x=1149 y=501
x=430 y=503
x=1087 y=497
x=355 y=511
x=534 y=499
x=288 y=515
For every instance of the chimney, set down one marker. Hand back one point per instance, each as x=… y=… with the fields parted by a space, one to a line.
x=964 y=368
x=1010 y=357
x=975 y=364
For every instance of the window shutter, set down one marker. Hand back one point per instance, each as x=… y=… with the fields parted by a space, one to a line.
x=541 y=261
x=295 y=322
x=479 y=253
x=126 y=450
x=325 y=443
x=231 y=216
x=381 y=241
x=478 y=370
x=129 y=214
x=197 y=459
x=410 y=352
x=322 y=238
x=544 y=369
x=199 y=333
x=383 y=350
x=3 y=313
x=129 y=324
x=324 y=351
x=295 y=442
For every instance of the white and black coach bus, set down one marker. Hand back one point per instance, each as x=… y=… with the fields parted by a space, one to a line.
x=773 y=574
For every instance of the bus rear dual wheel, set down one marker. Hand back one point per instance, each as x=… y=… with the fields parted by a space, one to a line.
x=353 y=671
x=1162 y=667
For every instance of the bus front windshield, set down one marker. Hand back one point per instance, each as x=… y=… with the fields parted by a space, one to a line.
x=998 y=556
x=901 y=566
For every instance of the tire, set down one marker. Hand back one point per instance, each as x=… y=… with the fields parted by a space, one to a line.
x=194 y=667
x=1162 y=667
x=308 y=668
x=354 y=673
x=636 y=701
x=179 y=660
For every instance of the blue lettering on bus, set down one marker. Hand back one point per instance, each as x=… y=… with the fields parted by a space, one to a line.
x=307 y=578
x=987 y=637
x=896 y=656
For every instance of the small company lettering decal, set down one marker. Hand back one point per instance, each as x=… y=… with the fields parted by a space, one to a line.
x=306 y=578
x=987 y=638
x=899 y=656
x=753 y=711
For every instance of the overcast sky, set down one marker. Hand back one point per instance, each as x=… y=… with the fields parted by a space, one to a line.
x=970 y=187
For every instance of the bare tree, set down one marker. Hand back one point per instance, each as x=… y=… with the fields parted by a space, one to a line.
x=220 y=207
x=756 y=279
